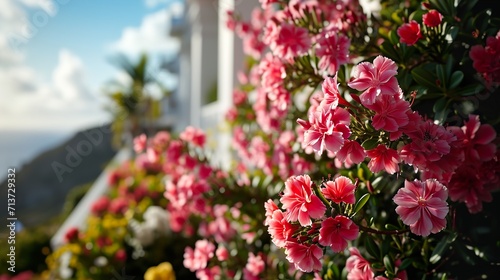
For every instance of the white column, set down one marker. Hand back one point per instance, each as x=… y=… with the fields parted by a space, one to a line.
x=231 y=59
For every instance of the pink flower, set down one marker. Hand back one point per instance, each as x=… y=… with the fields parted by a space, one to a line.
x=471 y=184
x=193 y=135
x=486 y=59
x=270 y=207
x=239 y=97
x=305 y=258
x=340 y=190
x=255 y=265
x=375 y=79
x=330 y=94
x=100 y=205
x=212 y=273
x=478 y=139
x=291 y=41
x=120 y=255
x=198 y=258
x=409 y=33
x=430 y=142
x=71 y=234
x=357 y=266
x=351 y=153
x=220 y=228
x=222 y=253
x=326 y=129
x=432 y=19
x=333 y=51
x=390 y=113
x=300 y=202
x=161 y=140
x=335 y=232
x=280 y=229
x=383 y=158
x=140 y=143
x=422 y=206
x=118 y=205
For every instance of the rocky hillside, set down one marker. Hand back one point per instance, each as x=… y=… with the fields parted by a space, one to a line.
x=43 y=183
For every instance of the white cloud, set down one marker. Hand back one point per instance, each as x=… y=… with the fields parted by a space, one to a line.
x=61 y=103
x=151 y=37
x=69 y=79
x=27 y=102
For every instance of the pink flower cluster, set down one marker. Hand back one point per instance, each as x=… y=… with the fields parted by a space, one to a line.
x=486 y=60
x=442 y=153
x=305 y=212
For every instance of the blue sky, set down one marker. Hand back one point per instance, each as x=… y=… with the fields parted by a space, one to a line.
x=54 y=56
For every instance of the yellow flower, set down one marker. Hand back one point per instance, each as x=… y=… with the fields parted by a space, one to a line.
x=163 y=271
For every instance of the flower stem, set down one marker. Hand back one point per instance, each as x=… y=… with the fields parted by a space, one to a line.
x=319 y=194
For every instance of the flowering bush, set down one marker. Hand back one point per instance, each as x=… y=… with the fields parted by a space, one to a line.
x=366 y=149
x=381 y=128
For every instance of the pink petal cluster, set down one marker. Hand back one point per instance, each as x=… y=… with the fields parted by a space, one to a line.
x=255 y=265
x=193 y=135
x=351 y=153
x=432 y=18
x=300 y=201
x=340 y=190
x=198 y=258
x=140 y=143
x=474 y=180
x=335 y=232
x=333 y=51
x=358 y=268
x=409 y=33
x=280 y=229
x=383 y=158
x=478 y=142
x=390 y=113
x=326 y=129
x=430 y=142
x=486 y=60
x=375 y=79
x=422 y=206
x=305 y=258
x=290 y=41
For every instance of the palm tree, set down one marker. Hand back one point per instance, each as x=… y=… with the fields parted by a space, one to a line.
x=132 y=107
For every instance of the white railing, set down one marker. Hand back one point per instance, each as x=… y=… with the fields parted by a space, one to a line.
x=79 y=215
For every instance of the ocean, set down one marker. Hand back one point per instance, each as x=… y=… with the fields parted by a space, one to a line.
x=20 y=147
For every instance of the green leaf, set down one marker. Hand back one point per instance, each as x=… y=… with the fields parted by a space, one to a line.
x=388 y=264
x=442 y=75
x=417 y=15
x=470 y=90
x=405 y=264
x=454 y=32
x=360 y=203
x=377 y=266
x=372 y=248
x=388 y=49
x=440 y=105
x=370 y=144
x=442 y=247
x=393 y=37
x=391 y=227
x=456 y=79
x=423 y=77
x=360 y=174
